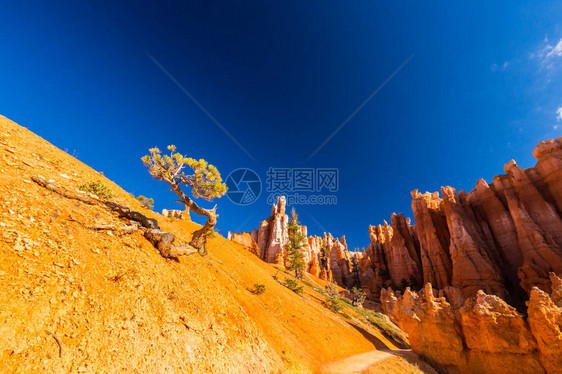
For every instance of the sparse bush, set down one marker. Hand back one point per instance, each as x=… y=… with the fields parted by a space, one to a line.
x=357 y=296
x=293 y=285
x=121 y=274
x=258 y=289
x=336 y=304
x=332 y=290
x=146 y=202
x=97 y=188
x=334 y=300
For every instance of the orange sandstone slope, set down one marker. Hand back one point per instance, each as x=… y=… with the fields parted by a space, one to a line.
x=115 y=305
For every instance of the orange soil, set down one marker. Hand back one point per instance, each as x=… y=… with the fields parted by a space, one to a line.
x=117 y=306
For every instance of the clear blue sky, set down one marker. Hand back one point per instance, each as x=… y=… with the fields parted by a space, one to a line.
x=483 y=87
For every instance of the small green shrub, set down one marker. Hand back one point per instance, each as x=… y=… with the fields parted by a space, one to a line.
x=336 y=304
x=357 y=296
x=332 y=290
x=146 y=202
x=258 y=289
x=333 y=298
x=293 y=285
x=97 y=188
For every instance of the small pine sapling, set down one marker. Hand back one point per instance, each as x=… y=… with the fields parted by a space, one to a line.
x=295 y=257
x=146 y=202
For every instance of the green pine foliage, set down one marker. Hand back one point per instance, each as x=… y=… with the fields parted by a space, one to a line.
x=324 y=258
x=97 y=188
x=293 y=285
x=297 y=240
x=205 y=182
x=258 y=289
x=146 y=202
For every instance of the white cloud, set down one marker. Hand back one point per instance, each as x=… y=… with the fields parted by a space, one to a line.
x=559 y=114
x=495 y=67
x=555 y=51
x=548 y=54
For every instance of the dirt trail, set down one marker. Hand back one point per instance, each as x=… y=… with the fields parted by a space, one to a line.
x=373 y=362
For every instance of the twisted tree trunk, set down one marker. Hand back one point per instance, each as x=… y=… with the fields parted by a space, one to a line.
x=199 y=237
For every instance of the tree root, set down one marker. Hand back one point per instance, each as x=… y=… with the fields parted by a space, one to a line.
x=164 y=240
x=42 y=182
x=160 y=239
x=118 y=231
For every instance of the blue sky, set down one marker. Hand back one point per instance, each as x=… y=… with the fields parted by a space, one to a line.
x=483 y=86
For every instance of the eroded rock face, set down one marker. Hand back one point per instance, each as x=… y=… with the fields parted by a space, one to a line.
x=177 y=214
x=549 y=168
x=473 y=266
x=496 y=335
x=324 y=257
x=274 y=252
x=340 y=260
x=404 y=261
x=503 y=238
x=434 y=238
x=430 y=324
x=545 y=320
x=245 y=239
x=485 y=334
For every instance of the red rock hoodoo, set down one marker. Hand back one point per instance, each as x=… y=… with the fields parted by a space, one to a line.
x=325 y=257
x=481 y=251
x=503 y=238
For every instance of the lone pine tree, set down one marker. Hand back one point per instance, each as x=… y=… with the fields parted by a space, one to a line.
x=295 y=257
x=205 y=182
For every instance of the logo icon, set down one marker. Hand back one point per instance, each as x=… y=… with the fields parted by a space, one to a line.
x=244 y=186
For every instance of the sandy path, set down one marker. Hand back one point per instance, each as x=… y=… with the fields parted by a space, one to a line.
x=361 y=363
x=354 y=364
